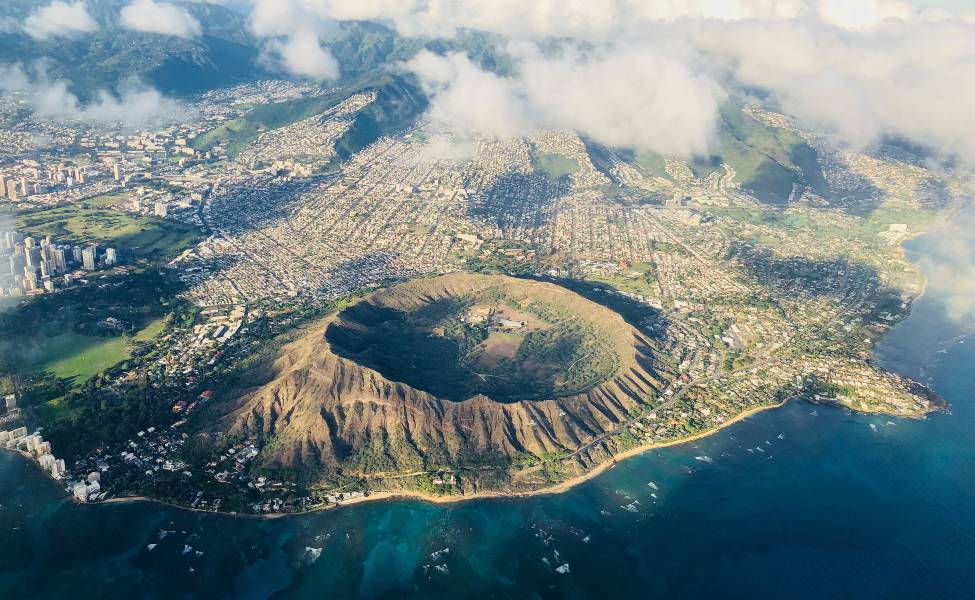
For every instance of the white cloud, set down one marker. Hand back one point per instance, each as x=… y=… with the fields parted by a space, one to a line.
x=298 y=29
x=863 y=69
x=302 y=54
x=465 y=98
x=913 y=81
x=949 y=262
x=59 y=18
x=635 y=96
x=863 y=14
x=135 y=104
x=284 y=17
x=13 y=78
x=591 y=19
x=632 y=96
x=160 y=17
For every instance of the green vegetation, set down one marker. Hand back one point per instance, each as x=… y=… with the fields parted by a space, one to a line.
x=857 y=231
x=399 y=101
x=78 y=333
x=67 y=356
x=882 y=217
x=553 y=467
x=497 y=264
x=767 y=160
x=77 y=357
x=397 y=104
x=653 y=164
x=150 y=331
x=106 y=200
x=80 y=357
x=644 y=285
x=133 y=235
x=457 y=347
x=554 y=166
x=235 y=135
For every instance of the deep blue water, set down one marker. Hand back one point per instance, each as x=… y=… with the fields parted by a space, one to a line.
x=832 y=508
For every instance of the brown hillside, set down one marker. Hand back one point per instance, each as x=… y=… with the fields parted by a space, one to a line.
x=329 y=415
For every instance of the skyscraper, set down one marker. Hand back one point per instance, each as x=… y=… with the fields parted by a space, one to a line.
x=47 y=249
x=33 y=256
x=88 y=258
x=111 y=257
x=17 y=263
x=60 y=259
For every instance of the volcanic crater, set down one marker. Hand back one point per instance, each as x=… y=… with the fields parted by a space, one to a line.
x=456 y=371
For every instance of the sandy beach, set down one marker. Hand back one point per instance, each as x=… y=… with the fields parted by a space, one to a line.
x=380 y=495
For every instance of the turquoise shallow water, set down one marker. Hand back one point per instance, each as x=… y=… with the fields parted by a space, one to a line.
x=833 y=505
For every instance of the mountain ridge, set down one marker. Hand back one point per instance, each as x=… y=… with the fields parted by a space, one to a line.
x=323 y=416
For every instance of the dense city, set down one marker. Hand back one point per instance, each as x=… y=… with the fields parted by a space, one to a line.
x=755 y=303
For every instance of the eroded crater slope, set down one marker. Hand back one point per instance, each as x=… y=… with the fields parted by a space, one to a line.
x=459 y=371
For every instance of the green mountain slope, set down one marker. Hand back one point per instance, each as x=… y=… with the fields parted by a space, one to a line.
x=225 y=54
x=768 y=161
x=398 y=104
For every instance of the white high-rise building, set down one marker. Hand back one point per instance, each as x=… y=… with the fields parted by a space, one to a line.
x=88 y=261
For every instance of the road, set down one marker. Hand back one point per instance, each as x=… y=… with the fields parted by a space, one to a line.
x=665 y=405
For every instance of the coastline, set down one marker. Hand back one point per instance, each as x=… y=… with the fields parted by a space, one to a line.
x=902 y=251
x=558 y=488
x=381 y=495
x=941 y=222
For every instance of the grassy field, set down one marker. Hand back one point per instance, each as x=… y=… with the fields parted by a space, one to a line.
x=107 y=200
x=632 y=285
x=554 y=166
x=135 y=236
x=865 y=229
x=653 y=164
x=150 y=331
x=53 y=410
x=80 y=357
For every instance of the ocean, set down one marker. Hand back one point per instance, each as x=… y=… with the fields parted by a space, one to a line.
x=801 y=502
